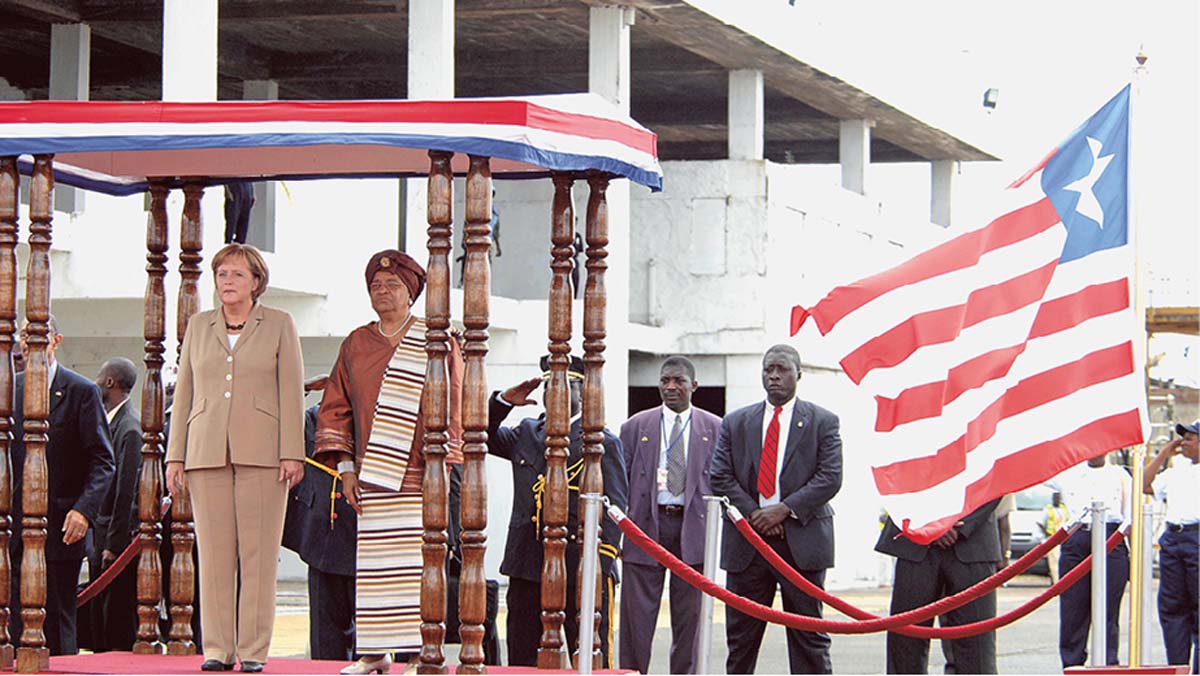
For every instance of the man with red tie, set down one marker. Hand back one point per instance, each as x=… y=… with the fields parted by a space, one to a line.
x=780 y=463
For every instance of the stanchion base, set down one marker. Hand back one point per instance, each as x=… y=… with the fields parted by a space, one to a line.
x=1121 y=669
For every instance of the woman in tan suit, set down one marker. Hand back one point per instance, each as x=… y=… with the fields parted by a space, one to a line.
x=240 y=399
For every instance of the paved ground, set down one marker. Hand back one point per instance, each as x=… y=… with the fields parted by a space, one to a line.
x=1028 y=647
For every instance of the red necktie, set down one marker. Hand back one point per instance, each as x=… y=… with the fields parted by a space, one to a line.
x=770 y=451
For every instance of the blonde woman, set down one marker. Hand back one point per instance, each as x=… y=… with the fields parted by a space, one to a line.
x=238 y=444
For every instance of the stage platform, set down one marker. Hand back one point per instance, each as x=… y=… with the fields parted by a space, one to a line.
x=128 y=663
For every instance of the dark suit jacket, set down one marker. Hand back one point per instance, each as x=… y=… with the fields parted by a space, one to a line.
x=119 y=515
x=641 y=439
x=978 y=539
x=525 y=447
x=79 y=458
x=306 y=529
x=810 y=476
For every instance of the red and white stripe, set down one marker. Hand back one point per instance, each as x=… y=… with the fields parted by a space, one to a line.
x=992 y=365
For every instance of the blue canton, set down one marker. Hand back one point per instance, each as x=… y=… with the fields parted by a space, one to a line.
x=1109 y=128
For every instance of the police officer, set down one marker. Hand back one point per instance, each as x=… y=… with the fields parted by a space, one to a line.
x=1178 y=602
x=1080 y=486
x=525 y=446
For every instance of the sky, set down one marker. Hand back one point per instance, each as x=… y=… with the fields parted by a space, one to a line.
x=1054 y=64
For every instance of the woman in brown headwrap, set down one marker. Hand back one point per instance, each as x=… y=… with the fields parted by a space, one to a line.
x=369 y=428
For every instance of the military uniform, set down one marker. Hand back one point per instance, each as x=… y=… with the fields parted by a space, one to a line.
x=525 y=446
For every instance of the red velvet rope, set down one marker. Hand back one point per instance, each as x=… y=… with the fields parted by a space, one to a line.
x=941 y=606
x=127 y=555
x=805 y=623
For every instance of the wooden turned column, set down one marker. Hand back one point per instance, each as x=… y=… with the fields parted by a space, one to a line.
x=150 y=488
x=595 y=307
x=9 y=183
x=477 y=284
x=435 y=412
x=183 y=537
x=33 y=654
x=558 y=428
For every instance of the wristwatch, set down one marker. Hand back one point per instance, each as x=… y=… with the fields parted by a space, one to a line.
x=345 y=466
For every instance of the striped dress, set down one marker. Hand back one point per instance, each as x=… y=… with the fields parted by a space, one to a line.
x=388 y=588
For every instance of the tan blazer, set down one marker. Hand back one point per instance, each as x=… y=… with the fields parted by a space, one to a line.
x=248 y=399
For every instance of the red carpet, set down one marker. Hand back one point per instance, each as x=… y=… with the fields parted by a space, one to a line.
x=128 y=663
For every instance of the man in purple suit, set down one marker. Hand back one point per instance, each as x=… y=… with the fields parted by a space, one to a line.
x=667 y=449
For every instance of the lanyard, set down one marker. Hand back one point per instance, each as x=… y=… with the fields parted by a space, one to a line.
x=662 y=422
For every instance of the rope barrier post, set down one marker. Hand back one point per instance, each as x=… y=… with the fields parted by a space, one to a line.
x=589 y=559
x=1099 y=586
x=712 y=547
x=1148 y=621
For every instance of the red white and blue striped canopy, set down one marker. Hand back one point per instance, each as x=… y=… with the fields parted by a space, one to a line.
x=115 y=147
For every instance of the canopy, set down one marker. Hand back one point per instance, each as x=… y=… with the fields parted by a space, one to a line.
x=115 y=147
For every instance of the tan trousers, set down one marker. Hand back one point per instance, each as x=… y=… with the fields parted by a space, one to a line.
x=238 y=511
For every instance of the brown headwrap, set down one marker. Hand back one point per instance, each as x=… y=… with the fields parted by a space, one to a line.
x=400 y=264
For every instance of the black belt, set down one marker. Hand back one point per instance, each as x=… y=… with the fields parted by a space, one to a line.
x=1181 y=528
x=673 y=510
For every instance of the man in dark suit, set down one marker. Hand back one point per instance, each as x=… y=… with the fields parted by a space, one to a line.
x=323 y=532
x=115 y=624
x=780 y=463
x=79 y=461
x=525 y=447
x=961 y=557
x=667 y=451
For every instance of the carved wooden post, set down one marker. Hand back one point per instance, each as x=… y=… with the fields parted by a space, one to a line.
x=183 y=538
x=595 y=307
x=477 y=284
x=33 y=654
x=9 y=182
x=558 y=429
x=435 y=406
x=149 y=570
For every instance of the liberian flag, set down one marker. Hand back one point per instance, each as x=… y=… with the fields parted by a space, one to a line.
x=1005 y=355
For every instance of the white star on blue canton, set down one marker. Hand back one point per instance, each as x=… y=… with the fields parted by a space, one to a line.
x=1088 y=205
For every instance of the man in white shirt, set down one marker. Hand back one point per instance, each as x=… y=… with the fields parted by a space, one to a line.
x=1179 y=548
x=779 y=462
x=667 y=451
x=1080 y=486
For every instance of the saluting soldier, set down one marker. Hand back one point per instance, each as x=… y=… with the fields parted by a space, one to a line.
x=525 y=447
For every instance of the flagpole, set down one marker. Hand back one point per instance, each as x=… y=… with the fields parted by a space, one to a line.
x=1137 y=540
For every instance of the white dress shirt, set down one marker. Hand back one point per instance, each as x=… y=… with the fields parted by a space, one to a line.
x=667 y=423
x=785 y=424
x=113 y=413
x=1179 y=487
x=1080 y=485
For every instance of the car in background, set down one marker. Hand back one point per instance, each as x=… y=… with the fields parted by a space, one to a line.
x=1023 y=522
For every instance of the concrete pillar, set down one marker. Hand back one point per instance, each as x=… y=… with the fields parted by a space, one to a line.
x=430 y=76
x=941 y=190
x=189 y=73
x=854 y=153
x=608 y=75
x=747 y=126
x=189 y=55
x=608 y=53
x=70 y=69
x=262 y=218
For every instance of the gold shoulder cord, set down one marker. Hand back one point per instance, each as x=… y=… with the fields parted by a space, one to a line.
x=333 y=491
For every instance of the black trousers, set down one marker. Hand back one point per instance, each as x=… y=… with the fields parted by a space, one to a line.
x=62 y=579
x=1178 y=601
x=808 y=652
x=919 y=583
x=330 y=615
x=118 y=621
x=1075 y=604
x=524 y=599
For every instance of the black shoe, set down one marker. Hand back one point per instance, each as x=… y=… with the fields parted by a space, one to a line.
x=250 y=666
x=216 y=665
